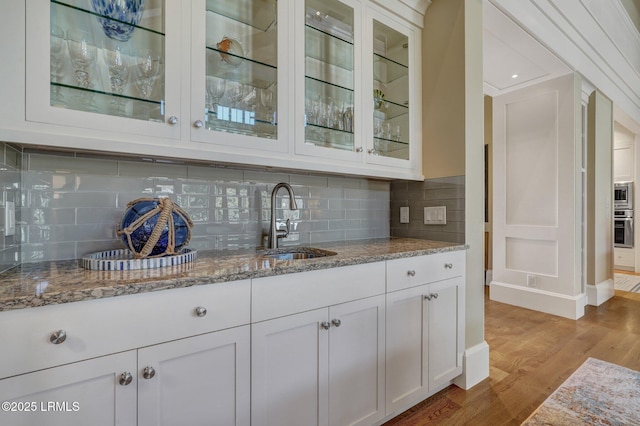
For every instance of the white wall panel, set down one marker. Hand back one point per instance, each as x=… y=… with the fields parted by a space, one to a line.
x=532 y=256
x=532 y=160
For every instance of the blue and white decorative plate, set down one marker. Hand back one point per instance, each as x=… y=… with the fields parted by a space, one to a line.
x=123 y=260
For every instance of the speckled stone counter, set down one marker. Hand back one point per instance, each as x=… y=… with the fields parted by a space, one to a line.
x=46 y=283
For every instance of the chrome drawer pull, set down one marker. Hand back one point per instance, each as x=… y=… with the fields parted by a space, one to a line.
x=336 y=322
x=448 y=266
x=58 y=337
x=201 y=311
x=411 y=273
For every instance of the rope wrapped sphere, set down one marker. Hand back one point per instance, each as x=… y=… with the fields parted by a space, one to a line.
x=154 y=227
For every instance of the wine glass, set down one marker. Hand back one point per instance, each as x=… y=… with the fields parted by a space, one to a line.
x=215 y=91
x=235 y=91
x=58 y=48
x=82 y=52
x=147 y=66
x=267 y=100
x=146 y=70
x=83 y=55
x=117 y=61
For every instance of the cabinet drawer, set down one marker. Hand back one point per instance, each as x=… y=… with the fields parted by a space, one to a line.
x=103 y=326
x=412 y=271
x=288 y=294
x=624 y=257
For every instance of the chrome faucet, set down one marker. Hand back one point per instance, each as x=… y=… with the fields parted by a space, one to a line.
x=274 y=232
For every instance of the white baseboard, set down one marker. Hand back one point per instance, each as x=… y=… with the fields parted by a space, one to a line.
x=571 y=307
x=475 y=366
x=600 y=293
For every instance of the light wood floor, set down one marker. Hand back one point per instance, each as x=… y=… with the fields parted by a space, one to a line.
x=531 y=354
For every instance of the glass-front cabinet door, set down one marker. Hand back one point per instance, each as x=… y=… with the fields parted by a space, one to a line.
x=394 y=95
x=390 y=95
x=103 y=64
x=235 y=73
x=329 y=78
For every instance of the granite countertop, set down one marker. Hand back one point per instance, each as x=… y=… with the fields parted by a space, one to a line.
x=48 y=283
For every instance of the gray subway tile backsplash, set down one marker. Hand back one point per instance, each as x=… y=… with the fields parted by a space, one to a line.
x=69 y=205
x=447 y=191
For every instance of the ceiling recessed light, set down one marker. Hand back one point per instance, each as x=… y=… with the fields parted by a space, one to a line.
x=514 y=76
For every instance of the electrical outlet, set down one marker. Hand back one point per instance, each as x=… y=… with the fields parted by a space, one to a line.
x=404 y=214
x=531 y=281
x=435 y=215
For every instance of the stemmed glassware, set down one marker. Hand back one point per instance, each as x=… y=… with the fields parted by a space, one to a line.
x=82 y=52
x=267 y=100
x=117 y=61
x=215 y=91
x=146 y=70
x=235 y=91
x=57 y=50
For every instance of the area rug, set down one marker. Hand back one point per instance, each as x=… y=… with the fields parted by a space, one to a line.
x=626 y=282
x=597 y=393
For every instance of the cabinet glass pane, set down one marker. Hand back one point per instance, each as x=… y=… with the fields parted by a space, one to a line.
x=108 y=57
x=390 y=92
x=241 y=67
x=329 y=74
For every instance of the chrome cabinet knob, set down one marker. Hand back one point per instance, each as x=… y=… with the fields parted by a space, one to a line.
x=125 y=378
x=434 y=295
x=198 y=123
x=427 y=297
x=359 y=149
x=325 y=325
x=172 y=120
x=148 y=372
x=336 y=322
x=373 y=151
x=58 y=337
x=411 y=273
x=201 y=311
x=448 y=266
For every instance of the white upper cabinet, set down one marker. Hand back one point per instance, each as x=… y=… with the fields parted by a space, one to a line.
x=239 y=73
x=319 y=85
x=359 y=74
x=97 y=66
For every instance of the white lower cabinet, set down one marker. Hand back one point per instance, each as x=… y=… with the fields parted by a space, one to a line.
x=82 y=393
x=352 y=345
x=423 y=341
x=201 y=380
x=320 y=367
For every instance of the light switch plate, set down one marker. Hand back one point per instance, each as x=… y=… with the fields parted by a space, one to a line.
x=435 y=215
x=9 y=218
x=404 y=214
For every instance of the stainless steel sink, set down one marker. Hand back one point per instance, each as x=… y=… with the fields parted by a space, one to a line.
x=296 y=253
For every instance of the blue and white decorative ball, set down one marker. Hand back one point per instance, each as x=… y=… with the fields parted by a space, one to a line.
x=143 y=216
x=118 y=17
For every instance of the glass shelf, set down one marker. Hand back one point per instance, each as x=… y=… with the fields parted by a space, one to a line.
x=90 y=100
x=248 y=71
x=240 y=121
x=328 y=49
x=146 y=24
x=329 y=137
x=391 y=110
x=387 y=70
x=256 y=14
